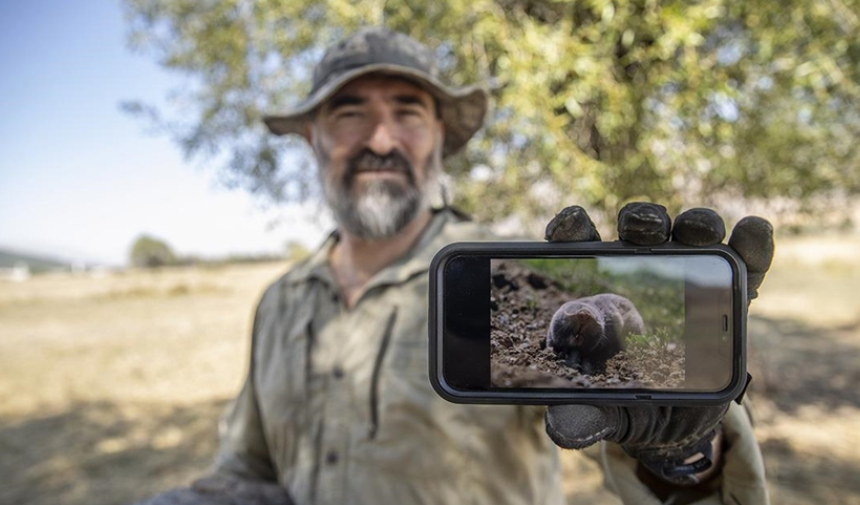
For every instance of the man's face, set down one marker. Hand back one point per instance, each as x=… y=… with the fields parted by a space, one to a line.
x=378 y=143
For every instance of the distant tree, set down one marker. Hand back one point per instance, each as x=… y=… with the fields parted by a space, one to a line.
x=150 y=252
x=594 y=101
x=295 y=251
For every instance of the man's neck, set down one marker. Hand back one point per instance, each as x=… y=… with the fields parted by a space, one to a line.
x=355 y=260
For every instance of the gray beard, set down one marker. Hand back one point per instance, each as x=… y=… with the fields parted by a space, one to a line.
x=381 y=211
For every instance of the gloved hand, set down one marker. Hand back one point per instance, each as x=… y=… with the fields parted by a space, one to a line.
x=223 y=490
x=661 y=438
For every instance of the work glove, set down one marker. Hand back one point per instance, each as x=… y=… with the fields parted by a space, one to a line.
x=224 y=490
x=661 y=438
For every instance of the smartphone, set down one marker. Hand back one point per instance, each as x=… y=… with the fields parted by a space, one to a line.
x=597 y=322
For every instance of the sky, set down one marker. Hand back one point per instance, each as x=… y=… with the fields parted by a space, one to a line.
x=80 y=179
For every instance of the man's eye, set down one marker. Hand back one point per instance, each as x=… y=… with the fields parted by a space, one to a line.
x=348 y=113
x=410 y=112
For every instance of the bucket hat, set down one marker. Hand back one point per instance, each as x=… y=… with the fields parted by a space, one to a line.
x=378 y=50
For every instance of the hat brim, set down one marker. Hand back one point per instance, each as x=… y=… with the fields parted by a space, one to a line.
x=462 y=109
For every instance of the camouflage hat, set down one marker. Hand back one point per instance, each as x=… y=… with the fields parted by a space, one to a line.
x=376 y=50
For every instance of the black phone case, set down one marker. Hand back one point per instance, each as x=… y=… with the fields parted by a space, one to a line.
x=503 y=249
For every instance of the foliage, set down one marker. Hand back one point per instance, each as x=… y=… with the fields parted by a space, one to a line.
x=150 y=252
x=658 y=298
x=596 y=102
x=580 y=277
x=296 y=251
x=661 y=338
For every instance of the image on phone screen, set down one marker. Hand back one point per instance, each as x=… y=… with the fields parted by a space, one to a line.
x=657 y=323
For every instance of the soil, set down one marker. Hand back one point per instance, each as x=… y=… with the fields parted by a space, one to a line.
x=522 y=305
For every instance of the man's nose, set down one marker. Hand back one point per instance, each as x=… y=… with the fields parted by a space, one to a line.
x=382 y=140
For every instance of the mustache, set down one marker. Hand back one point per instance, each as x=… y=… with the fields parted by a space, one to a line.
x=369 y=161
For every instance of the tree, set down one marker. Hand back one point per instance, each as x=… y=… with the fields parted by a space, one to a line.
x=296 y=251
x=596 y=101
x=150 y=252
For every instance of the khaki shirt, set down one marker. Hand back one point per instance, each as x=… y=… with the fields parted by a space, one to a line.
x=338 y=408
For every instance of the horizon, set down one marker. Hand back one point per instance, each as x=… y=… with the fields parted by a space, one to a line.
x=63 y=262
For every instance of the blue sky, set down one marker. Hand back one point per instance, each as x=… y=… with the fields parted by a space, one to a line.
x=80 y=179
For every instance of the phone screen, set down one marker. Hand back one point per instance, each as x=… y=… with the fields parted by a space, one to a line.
x=632 y=322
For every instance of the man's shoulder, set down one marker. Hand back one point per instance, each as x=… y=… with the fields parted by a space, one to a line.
x=286 y=286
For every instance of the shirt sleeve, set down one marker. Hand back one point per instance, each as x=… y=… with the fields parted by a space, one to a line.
x=742 y=479
x=243 y=449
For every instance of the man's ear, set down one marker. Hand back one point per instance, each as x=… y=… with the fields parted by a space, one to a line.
x=308 y=133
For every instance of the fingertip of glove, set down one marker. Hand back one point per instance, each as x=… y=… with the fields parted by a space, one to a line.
x=644 y=223
x=571 y=224
x=757 y=222
x=576 y=426
x=699 y=227
x=752 y=238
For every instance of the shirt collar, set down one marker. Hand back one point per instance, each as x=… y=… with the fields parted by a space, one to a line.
x=415 y=261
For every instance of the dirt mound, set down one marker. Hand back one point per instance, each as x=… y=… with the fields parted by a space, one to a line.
x=522 y=305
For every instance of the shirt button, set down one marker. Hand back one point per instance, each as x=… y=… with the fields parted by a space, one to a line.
x=331 y=457
x=338 y=372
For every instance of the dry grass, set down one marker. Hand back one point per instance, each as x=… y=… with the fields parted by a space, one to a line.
x=805 y=357
x=111 y=387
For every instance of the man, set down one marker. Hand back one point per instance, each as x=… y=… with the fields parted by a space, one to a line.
x=337 y=407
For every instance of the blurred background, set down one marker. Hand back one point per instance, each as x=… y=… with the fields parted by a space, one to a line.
x=143 y=209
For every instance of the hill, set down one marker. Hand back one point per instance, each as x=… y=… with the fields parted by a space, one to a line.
x=11 y=259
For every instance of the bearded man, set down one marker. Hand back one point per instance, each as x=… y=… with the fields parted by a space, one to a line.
x=337 y=407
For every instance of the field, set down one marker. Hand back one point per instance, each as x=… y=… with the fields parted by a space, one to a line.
x=111 y=386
